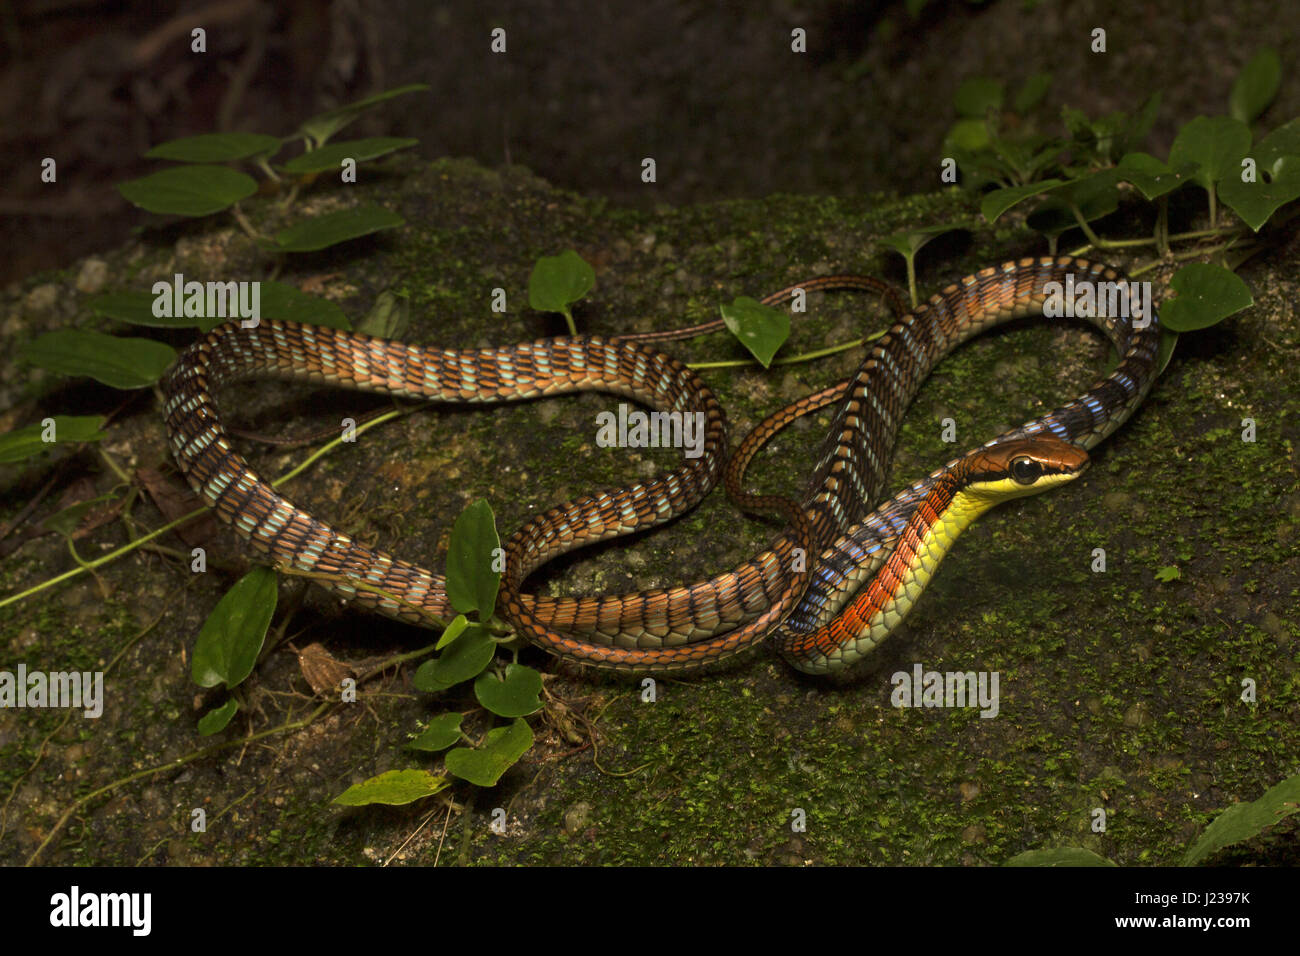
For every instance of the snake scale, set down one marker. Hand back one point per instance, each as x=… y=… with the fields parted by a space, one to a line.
x=865 y=566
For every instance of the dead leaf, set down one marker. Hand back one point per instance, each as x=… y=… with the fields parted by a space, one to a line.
x=322 y=670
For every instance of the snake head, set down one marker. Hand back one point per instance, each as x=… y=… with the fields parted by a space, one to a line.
x=1022 y=467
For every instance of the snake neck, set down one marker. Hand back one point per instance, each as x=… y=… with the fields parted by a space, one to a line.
x=935 y=525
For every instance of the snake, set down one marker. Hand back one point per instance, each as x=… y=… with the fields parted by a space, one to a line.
x=827 y=590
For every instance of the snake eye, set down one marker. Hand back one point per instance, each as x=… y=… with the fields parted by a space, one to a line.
x=1025 y=470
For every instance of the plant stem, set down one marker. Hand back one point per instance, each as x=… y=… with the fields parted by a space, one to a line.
x=265 y=167
x=793 y=359
x=244 y=224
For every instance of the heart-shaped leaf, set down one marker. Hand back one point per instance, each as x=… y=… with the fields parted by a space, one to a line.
x=1095 y=195
x=463 y=659
x=1283 y=141
x=442 y=732
x=559 y=281
x=994 y=204
x=515 y=696
x=1152 y=177
x=502 y=748
x=1207 y=294
x=1213 y=146
x=760 y=328
x=1256 y=202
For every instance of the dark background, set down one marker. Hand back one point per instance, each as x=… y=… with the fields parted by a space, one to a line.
x=585 y=90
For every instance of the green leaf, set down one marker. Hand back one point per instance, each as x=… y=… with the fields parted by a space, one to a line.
x=388 y=318
x=215 y=720
x=502 y=748
x=1213 y=146
x=977 y=95
x=233 y=634
x=760 y=328
x=909 y=243
x=966 y=136
x=27 y=442
x=1141 y=124
x=324 y=125
x=453 y=631
x=1061 y=856
x=189 y=190
x=1051 y=217
x=331 y=157
x=471 y=581
x=65 y=521
x=994 y=204
x=1283 y=141
x=394 y=788
x=1151 y=177
x=1256 y=202
x=557 y=282
x=464 y=658
x=1096 y=195
x=515 y=696
x=1243 y=821
x=1207 y=294
x=215 y=148
x=1077 y=123
x=335 y=227
x=119 y=362
x=1032 y=93
x=1256 y=86
x=1165 y=351
x=442 y=732
x=137 y=308
x=279 y=300
x=1168 y=573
